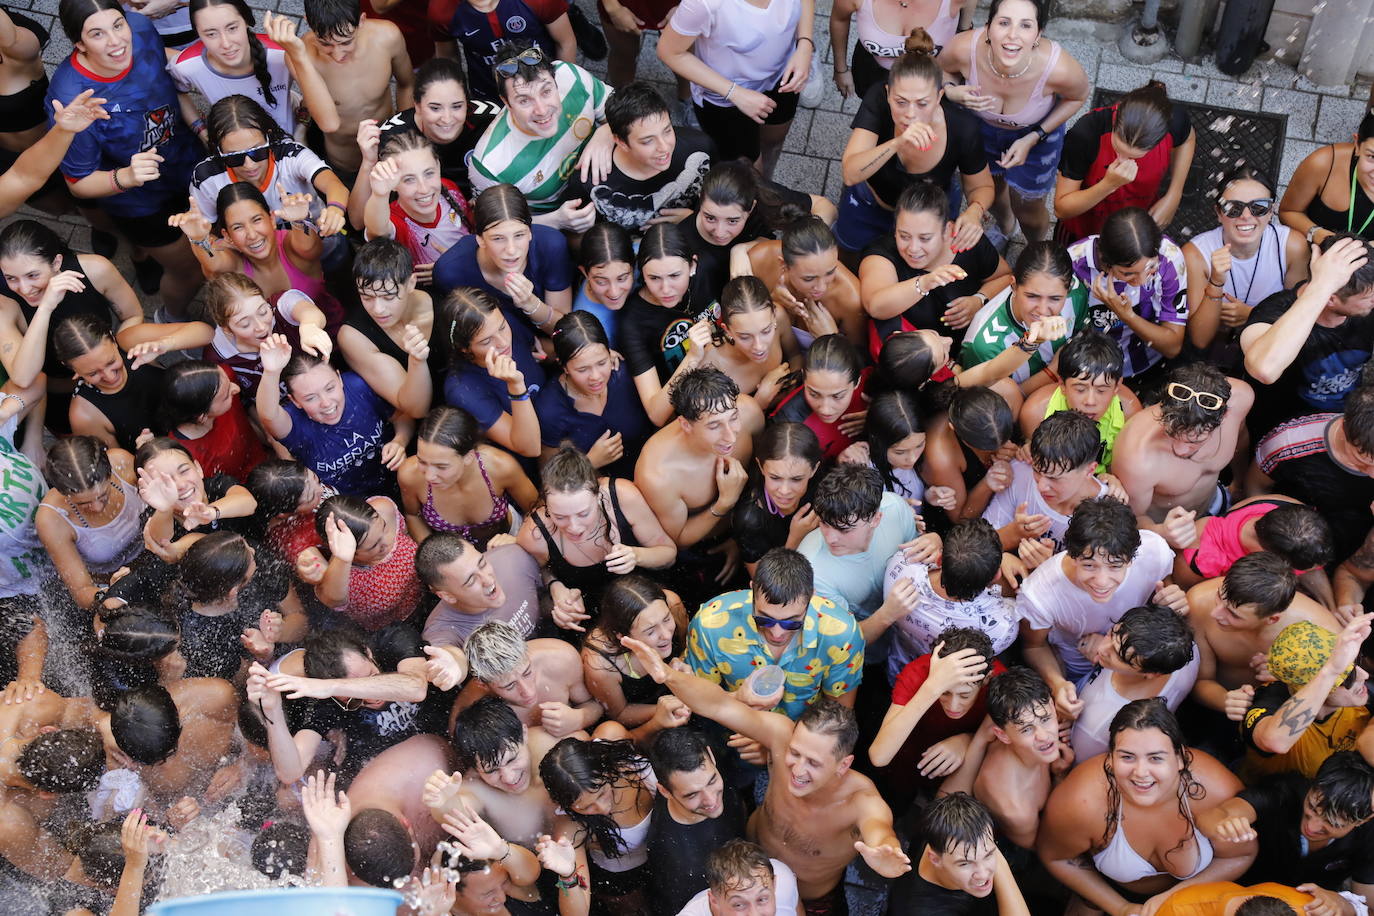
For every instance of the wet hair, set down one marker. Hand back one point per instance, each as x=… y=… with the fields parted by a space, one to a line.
x=74 y=13
x=324 y=651
x=742 y=295
x=66 y=760
x=1343 y=787
x=468 y=308
x=702 y=391
x=278 y=486
x=486 y=734
x=906 y=363
x=631 y=104
x=135 y=638
x=1102 y=527
x=525 y=73
x=497 y=204
x=1362 y=280
x=256 y=50
x=783 y=576
x=787 y=440
x=214 y=566
x=1090 y=354
x=834 y=353
x=382 y=266
x=76 y=464
x=1142 y=116
x=300 y=363
x=281 y=848
x=828 y=716
x=1298 y=533
x=917 y=60
x=847 y=496
x=620 y=606
x=145 y=724
x=736 y=865
x=569 y=470
x=981 y=419
x=663 y=240
x=450 y=427
x=1144 y=715
x=438 y=70
x=924 y=196
x=892 y=417
x=378 y=847
x=605 y=243
x=1015 y=694
x=188 y=389
x=573 y=767
x=1065 y=441
x=1358 y=419
x=573 y=333
x=971 y=559
x=1044 y=257
x=354 y=511
x=1243 y=172
x=30 y=238
x=1042 y=11
x=1189 y=417
x=333 y=20
x=224 y=292
x=736 y=184
x=1264 y=905
x=99 y=848
x=1263 y=579
x=436 y=551
x=1127 y=236
x=494 y=650
x=1154 y=639
x=158 y=445
x=678 y=750
x=806 y=236
x=234 y=193
x=956 y=823
x=238 y=112
x=78 y=335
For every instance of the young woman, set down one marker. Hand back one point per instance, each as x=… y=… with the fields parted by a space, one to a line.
x=493 y=372
x=94 y=524
x=804 y=272
x=606 y=259
x=1118 y=156
x=592 y=403
x=1148 y=790
x=775 y=508
x=883 y=27
x=334 y=423
x=202 y=409
x=907 y=130
x=830 y=399
x=173 y=484
x=753 y=341
x=1024 y=94
x=455 y=483
x=428 y=215
x=137 y=165
x=116 y=394
x=589 y=526
x=370 y=577
x=231 y=59
x=288 y=494
x=894 y=440
x=967 y=454
x=1332 y=190
x=1236 y=266
x=919 y=275
x=523 y=265
x=636 y=607
x=1137 y=283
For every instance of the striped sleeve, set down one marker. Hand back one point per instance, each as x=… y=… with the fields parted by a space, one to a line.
x=1292 y=440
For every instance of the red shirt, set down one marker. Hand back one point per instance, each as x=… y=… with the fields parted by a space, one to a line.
x=231 y=446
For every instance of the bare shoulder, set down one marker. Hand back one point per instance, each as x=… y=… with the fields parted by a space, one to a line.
x=1221 y=784
x=554 y=653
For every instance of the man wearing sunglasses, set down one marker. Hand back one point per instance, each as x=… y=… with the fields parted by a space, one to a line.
x=1307 y=345
x=1169 y=457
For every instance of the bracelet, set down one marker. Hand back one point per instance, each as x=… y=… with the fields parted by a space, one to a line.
x=522 y=396
x=114 y=180
x=218 y=512
x=839 y=72
x=1041 y=133
x=730 y=93
x=198 y=125
x=1026 y=346
x=714 y=514
x=205 y=245
x=807 y=38
x=570 y=882
x=335 y=203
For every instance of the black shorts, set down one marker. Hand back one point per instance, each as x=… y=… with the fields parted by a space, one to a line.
x=150 y=230
x=737 y=135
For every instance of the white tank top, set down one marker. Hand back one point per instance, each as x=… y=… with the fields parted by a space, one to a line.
x=1101 y=702
x=887 y=46
x=1253 y=280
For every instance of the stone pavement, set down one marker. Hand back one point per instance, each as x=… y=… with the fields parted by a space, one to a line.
x=810 y=162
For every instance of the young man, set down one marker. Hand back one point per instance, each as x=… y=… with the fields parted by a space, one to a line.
x=695 y=813
x=1107 y=567
x=176 y=737
x=741 y=878
x=357 y=57
x=476 y=587
x=1281 y=525
x=1223 y=898
x=1170 y=455
x=656 y=168
x=540 y=679
x=385 y=278
x=961 y=872
x=779 y=621
x=815 y=805
x=555 y=120
x=1307 y=345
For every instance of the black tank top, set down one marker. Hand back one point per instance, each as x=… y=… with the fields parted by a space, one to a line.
x=678 y=852
x=590 y=579
x=1338 y=220
x=90 y=301
x=131 y=409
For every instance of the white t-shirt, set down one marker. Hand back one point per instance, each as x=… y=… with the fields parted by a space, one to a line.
x=1049 y=601
x=293 y=167
x=915 y=634
x=1101 y=702
x=785 y=894
x=743 y=43
x=1001 y=509
x=193 y=72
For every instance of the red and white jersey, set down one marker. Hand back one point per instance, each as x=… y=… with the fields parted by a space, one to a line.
x=426 y=241
x=192 y=71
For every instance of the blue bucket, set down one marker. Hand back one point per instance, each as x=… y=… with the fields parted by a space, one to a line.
x=304 y=901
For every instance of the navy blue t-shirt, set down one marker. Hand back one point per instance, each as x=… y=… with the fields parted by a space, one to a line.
x=560 y=419
x=347 y=455
x=548 y=268
x=469 y=386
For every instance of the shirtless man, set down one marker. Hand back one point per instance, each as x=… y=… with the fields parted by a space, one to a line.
x=392 y=834
x=817 y=812
x=540 y=679
x=173 y=737
x=1169 y=456
x=1235 y=619
x=357 y=58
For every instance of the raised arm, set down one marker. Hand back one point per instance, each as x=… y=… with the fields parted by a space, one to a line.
x=1279 y=732
x=36 y=164
x=946 y=672
x=314 y=93
x=275 y=353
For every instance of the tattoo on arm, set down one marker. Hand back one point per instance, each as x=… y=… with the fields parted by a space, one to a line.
x=1294 y=718
x=1362 y=558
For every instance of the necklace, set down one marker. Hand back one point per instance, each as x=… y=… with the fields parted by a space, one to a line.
x=1030 y=59
x=71 y=505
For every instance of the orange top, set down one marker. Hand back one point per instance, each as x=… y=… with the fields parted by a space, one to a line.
x=1210 y=899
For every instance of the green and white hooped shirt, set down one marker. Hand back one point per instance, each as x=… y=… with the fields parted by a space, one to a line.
x=995 y=329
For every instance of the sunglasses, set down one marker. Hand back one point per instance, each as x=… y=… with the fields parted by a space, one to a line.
x=236 y=159
x=1205 y=399
x=349 y=705
x=764 y=622
x=530 y=57
x=1232 y=209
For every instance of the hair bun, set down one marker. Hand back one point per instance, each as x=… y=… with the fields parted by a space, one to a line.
x=920 y=42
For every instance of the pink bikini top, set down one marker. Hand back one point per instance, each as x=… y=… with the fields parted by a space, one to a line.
x=1037 y=106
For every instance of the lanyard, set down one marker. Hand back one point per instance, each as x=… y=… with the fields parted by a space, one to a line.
x=1350 y=214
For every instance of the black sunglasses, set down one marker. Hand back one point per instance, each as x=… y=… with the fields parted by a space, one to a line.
x=530 y=57
x=238 y=158
x=1232 y=209
x=763 y=622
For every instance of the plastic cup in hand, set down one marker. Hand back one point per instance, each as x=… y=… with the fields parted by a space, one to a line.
x=763 y=688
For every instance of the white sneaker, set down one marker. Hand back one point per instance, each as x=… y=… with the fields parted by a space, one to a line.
x=814 y=90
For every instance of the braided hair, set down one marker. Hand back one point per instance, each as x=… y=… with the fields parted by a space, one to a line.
x=256 y=51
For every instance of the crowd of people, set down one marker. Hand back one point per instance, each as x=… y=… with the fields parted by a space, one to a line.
x=491 y=483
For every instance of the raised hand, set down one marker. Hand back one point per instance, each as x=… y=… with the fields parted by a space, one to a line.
x=520 y=288
x=670 y=712
x=294 y=208
x=558 y=856
x=342 y=543
x=275 y=353
x=369 y=137
x=193 y=224
x=607 y=449
x=475 y=837
x=650 y=662
x=283 y=31
x=1043 y=330
x=943 y=275
x=197 y=513
x=953 y=669
x=327 y=812
x=80 y=113
x=1180 y=528
x=315 y=339
x=157 y=489
x=435 y=892
x=441 y=789
x=503 y=369
x=887 y=860
x=259 y=691
x=1221 y=265
x=442 y=669
x=137 y=838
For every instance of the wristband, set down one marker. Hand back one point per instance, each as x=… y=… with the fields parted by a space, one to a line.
x=730 y=93
x=522 y=396
x=335 y=203
x=712 y=510
x=1040 y=132
x=114 y=180
x=839 y=72
x=570 y=882
x=198 y=125
x=801 y=38
x=1026 y=346
x=204 y=245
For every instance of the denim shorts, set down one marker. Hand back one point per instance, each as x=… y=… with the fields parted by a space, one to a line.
x=862 y=219
x=1036 y=176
